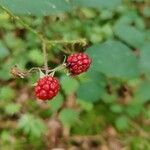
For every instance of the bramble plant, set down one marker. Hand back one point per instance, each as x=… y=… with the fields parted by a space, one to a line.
x=80 y=74
x=47 y=87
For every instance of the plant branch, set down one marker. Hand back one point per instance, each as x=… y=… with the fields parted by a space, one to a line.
x=21 y=22
x=39 y=35
x=45 y=57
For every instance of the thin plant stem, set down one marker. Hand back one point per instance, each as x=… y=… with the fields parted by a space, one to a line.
x=21 y=22
x=45 y=57
x=60 y=67
x=50 y=43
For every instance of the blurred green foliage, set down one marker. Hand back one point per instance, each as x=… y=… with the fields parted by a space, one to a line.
x=114 y=92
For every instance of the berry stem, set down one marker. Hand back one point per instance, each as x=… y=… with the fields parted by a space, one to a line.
x=45 y=57
x=60 y=67
x=39 y=35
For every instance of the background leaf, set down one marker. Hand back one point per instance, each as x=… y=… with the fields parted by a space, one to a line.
x=68 y=116
x=31 y=125
x=90 y=91
x=12 y=108
x=3 y=51
x=133 y=36
x=98 y=3
x=114 y=59
x=145 y=59
x=68 y=84
x=56 y=103
x=38 y=7
x=122 y=123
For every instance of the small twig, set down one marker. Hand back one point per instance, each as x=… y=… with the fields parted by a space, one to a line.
x=60 y=67
x=45 y=57
x=54 y=42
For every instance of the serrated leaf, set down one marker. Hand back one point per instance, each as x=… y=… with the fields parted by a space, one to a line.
x=69 y=84
x=31 y=125
x=68 y=116
x=114 y=59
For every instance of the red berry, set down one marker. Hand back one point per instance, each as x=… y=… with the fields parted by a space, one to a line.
x=78 y=63
x=46 y=88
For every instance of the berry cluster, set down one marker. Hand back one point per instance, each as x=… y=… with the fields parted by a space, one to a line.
x=48 y=86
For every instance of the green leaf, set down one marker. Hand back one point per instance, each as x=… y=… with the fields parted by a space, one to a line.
x=69 y=84
x=109 y=98
x=5 y=69
x=142 y=94
x=38 y=7
x=56 y=103
x=146 y=11
x=98 y=3
x=114 y=59
x=36 y=57
x=116 y=108
x=5 y=135
x=52 y=7
x=133 y=110
x=3 y=51
x=96 y=77
x=12 y=108
x=131 y=17
x=145 y=59
x=122 y=123
x=133 y=36
x=7 y=93
x=90 y=91
x=31 y=125
x=68 y=116
x=85 y=105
